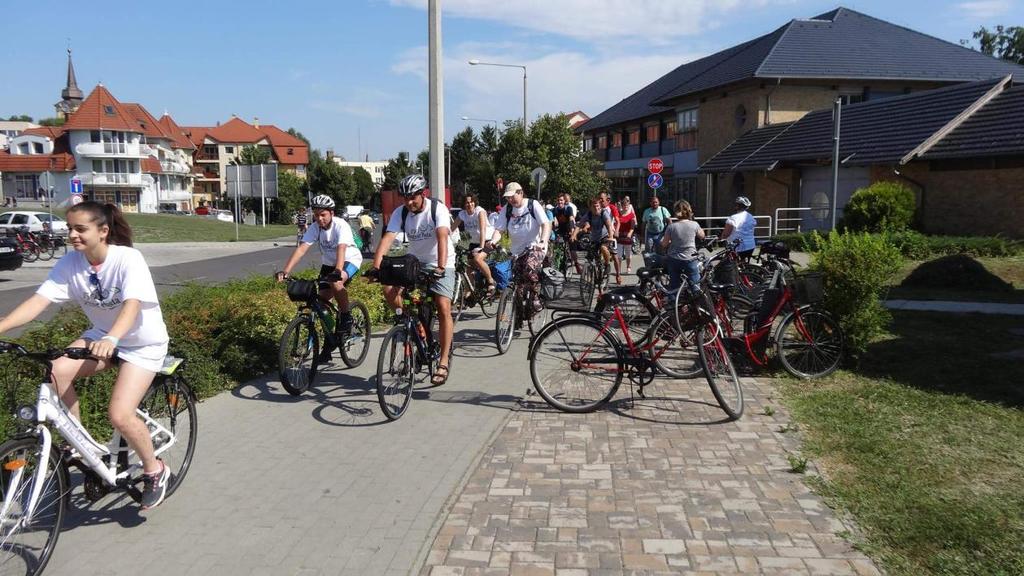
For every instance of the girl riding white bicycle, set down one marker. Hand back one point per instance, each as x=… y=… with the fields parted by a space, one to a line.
x=112 y=283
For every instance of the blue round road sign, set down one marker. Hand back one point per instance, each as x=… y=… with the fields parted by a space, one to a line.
x=655 y=181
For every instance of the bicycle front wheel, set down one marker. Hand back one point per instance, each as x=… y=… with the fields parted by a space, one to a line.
x=297 y=356
x=459 y=302
x=719 y=370
x=809 y=343
x=169 y=411
x=29 y=252
x=505 y=320
x=674 y=354
x=587 y=286
x=396 y=372
x=357 y=344
x=576 y=366
x=26 y=544
x=45 y=250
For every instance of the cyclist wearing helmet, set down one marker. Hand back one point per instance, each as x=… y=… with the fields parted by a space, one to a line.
x=338 y=252
x=427 y=225
x=740 y=226
x=528 y=229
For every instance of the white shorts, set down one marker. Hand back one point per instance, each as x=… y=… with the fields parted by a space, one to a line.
x=625 y=250
x=150 y=357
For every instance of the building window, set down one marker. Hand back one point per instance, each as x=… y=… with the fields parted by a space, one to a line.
x=686 y=122
x=108 y=110
x=23 y=148
x=104 y=196
x=25 y=185
x=740 y=116
x=300 y=169
x=602 y=142
x=670 y=130
x=588 y=144
x=210 y=151
x=229 y=149
x=852 y=98
x=652 y=133
x=633 y=136
x=37 y=148
x=291 y=151
x=617 y=140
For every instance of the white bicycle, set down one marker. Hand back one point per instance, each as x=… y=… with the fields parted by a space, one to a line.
x=34 y=478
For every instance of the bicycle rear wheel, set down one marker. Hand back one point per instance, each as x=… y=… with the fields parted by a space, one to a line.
x=169 y=411
x=675 y=354
x=45 y=250
x=297 y=355
x=459 y=302
x=396 y=372
x=505 y=320
x=587 y=285
x=357 y=344
x=809 y=343
x=29 y=251
x=26 y=547
x=719 y=370
x=576 y=366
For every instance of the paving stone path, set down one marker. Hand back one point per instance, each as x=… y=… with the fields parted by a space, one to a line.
x=658 y=485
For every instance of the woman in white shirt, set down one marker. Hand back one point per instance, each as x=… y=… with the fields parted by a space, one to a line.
x=740 y=226
x=111 y=282
x=480 y=231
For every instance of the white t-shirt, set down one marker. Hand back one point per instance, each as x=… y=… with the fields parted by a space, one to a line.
x=421 y=232
x=472 y=224
x=339 y=233
x=124 y=275
x=523 y=229
x=743 y=224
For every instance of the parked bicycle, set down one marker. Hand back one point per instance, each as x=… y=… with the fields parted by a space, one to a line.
x=409 y=348
x=299 y=351
x=29 y=247
x=34 y=475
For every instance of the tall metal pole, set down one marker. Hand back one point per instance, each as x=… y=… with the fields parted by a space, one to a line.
x=836 y=116
x=436 y=102
x=526 y=128
x=263 y=196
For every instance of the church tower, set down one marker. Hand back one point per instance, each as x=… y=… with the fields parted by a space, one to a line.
x=71 y=95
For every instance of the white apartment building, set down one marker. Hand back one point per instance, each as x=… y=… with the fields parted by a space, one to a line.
x=376 y=168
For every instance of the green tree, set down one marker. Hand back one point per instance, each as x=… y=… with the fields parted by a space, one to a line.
x=291 y=192
x=512 y=158
x=299 y=135
x=1006 y=42
x=327 y=177
x=364 y=188
x=252 y=155
x=20 y=118
x=52 y=121
x=397 y=168
x=483 y=180
x=423 y=164
x=552 y=145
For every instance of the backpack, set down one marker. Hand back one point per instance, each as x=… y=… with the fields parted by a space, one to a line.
x=508 y=210
x=433 y=213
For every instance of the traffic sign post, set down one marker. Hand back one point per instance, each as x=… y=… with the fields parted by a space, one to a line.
x=655 y=181
x=75 y=199
x=655 y=165
x=76 y=186
x=539 y=175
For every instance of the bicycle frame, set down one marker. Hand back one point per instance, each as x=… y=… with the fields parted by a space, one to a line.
x=49 y=409
x=634 y=349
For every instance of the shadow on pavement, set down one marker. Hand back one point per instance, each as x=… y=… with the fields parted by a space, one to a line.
x=116 y=507
x=343 y=399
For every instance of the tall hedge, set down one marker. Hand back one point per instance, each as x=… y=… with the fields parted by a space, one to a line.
x=881 y=207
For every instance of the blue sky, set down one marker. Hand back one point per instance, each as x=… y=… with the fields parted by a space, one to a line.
x=351 y=74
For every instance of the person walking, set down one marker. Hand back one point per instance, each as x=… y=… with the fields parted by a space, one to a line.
x=366 y=230
x=654 y=221
x=680 y=245
x=627 y=222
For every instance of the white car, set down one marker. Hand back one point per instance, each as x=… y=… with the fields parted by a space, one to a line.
x=34 y=221
x=222 y=215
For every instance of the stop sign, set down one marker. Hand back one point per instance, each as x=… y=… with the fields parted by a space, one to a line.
x=655 y=165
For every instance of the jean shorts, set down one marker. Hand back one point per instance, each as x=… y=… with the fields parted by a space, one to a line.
x=445 y=285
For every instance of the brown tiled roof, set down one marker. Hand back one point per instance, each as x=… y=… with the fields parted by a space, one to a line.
x=178 y=137
x=62 y=162
x=196 y=134
x=151 y=165
x=52 y=132
x=100 y=110
x=147 y=124
x=282 y=142
x=236 y=130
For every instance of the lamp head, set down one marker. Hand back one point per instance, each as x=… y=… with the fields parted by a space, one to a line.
x=474 y=62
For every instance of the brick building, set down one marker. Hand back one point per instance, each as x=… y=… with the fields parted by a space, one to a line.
x=693 y=112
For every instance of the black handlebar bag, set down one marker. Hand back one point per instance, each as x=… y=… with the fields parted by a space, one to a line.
x=400 y=270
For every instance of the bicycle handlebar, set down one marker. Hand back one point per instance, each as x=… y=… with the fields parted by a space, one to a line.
x=73 y=352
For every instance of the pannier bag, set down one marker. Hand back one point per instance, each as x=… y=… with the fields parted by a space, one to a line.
x=552 y=283
x=301 y=290
x=399 y=270
x=502 y=273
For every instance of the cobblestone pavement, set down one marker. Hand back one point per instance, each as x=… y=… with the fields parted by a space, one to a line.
x=659 y=485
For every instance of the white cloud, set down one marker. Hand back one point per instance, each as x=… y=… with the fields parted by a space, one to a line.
x=362 y=103
x=657 y=21
x=557 y=82
x=985 y=9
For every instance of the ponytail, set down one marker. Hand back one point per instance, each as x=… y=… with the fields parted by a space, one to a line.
x=119 y=233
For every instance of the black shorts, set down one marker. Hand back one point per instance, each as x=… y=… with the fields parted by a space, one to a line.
x=473 y=246
x=326 y=271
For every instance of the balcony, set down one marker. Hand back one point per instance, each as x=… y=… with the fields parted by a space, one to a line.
x=173 y=195
x=174 y=168
x=108 y=149
x=207 y=157
x=111 y=179
x=631 y=151
x=614 y=154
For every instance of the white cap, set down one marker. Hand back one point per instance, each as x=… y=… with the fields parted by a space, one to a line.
x=511 y=188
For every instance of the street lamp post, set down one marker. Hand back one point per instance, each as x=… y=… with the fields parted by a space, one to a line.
x=475 y=62
x=495 y=122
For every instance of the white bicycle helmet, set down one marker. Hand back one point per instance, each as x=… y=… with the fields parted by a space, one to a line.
x=322 y=202
x=743 y=201
x=411 y=185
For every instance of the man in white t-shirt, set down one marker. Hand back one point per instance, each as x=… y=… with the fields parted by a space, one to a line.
x=740 y=226
x=339 y=263
x=528 y=229
x=426 y=223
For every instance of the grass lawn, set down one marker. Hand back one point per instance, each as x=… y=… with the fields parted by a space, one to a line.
x=173 y=228
x=924 y=443
x=1010 y=269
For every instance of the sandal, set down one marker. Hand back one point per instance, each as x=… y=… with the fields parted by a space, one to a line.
x=438 y=379
x=492 y=288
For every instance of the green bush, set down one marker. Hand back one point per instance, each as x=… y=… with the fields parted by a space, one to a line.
x=227 y=334
x=917 y=246
x=882 y=206
x=857 y=267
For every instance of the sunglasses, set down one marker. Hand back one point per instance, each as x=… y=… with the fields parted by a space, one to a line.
x=95 y=281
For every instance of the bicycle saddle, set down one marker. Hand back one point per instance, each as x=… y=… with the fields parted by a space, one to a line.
x=646 y=274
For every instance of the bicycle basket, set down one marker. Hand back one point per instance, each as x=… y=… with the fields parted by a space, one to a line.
x=809 y=287
x=552 y=283
x=301 y=290
x=399 y=271
x=725 y=273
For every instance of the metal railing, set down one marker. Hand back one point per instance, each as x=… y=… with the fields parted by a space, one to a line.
x=103 y=148
x=111 y=178
x=784 y=221
x=173 y=167
x=711 y=226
